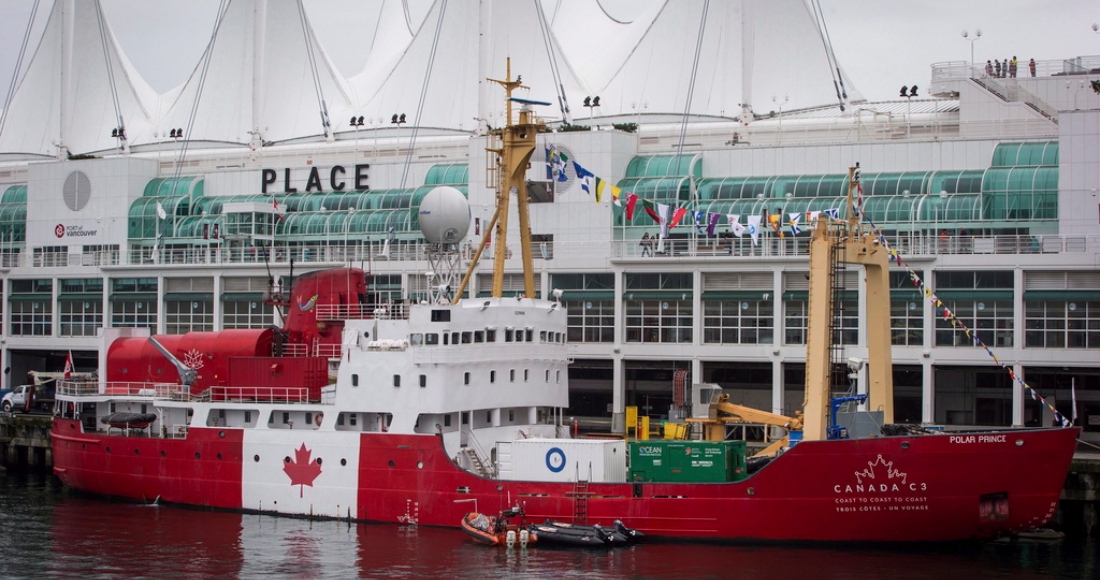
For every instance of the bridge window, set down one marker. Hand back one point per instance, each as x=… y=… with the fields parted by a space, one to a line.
x=431 y=339
x=397 y=380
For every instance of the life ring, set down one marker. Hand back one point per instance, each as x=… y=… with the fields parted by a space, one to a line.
x=317 y=420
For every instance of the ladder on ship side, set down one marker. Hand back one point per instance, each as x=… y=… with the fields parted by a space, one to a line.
x=836 y=320
x=580 y=502
x=476 y=463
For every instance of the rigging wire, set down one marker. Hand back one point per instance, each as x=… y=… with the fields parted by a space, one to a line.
x=121 y=127
x=694 y=75
x=18 y=65
x=424 y=91
x=326 y=125
x=830 y=55
x=544 y=26
x=199 y=86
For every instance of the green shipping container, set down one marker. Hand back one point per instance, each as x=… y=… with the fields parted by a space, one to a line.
x=687 y=461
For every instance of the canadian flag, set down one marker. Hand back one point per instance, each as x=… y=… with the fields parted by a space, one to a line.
x=69 y=366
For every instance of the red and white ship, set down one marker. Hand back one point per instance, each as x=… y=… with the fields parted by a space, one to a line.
x=435 y=406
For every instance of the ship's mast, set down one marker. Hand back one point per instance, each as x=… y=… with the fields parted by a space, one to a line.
x=833 y=244
x=509 y=153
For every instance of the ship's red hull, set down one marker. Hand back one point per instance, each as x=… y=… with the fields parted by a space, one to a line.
x=890 y=489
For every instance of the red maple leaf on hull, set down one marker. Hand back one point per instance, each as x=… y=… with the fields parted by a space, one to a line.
x=301 y=469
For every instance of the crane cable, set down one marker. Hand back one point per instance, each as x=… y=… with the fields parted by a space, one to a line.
x=121 y=127
x=830 y=55
x=326 y=124
x=423 y=91
x=544 y=26
x=694 y=75
x=199 y=86
x=18 y=65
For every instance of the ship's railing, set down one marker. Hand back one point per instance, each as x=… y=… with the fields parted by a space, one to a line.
x=327 y=350
x=909 y=243
x=177 y=392
x=260 y=394
x=118 y=388
x=361 y=312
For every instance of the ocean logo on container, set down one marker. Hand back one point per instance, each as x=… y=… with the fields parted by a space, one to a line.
x=555 y=459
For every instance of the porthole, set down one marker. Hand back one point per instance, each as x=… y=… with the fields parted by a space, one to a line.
x=420 y=465
x=198 y=455
x=108 y=450
x=137 y=452
x=751 y=491
x=343 y=462
x=391 y=464
x=318 y=461
x=221 y=434
x=905 y=445
x=219 y=456
x=256 y=458
x=163 y=453
x=286 y=459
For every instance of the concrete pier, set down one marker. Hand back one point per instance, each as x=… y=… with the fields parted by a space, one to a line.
x=1077 y=511
x=25 y=441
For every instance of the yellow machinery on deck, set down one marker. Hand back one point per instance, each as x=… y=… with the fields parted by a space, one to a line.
x=833 y=243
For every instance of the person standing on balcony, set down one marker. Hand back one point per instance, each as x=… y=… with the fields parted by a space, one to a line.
x=988 y=68
x=1031 y=66
x=997 y=67
x=1012 y=67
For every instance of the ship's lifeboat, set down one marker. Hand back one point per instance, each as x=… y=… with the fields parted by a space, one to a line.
x=129 y=420
x=497 y=531
x=566 y=534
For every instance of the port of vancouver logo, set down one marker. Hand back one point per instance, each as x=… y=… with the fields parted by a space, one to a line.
x=302 y=469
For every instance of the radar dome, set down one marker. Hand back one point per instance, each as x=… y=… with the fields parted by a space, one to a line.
x=444 y=215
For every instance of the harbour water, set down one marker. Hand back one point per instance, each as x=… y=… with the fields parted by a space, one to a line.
x=47 y=530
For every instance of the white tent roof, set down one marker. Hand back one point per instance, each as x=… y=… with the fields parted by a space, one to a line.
x=66 y=97
x=266 y=72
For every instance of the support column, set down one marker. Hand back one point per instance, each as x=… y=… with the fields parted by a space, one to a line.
x=928 y=392
x=777 y=387
x=1018 y=398
x=618 y=394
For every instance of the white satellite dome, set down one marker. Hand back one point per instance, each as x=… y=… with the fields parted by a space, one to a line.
x=444 y=215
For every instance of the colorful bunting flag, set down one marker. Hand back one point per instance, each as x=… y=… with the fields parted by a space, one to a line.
x=603 y=186
x=677 y=215
x=735 y=225
x=587 y=179
x=712 y=221
x=793 y=220
x=754 y=228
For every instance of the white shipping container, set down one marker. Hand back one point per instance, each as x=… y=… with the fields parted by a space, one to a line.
x=562 y=460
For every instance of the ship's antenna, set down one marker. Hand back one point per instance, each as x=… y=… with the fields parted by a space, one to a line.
x=515 y=142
